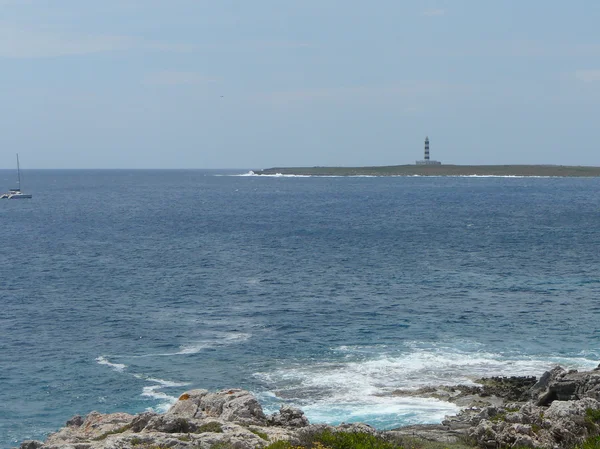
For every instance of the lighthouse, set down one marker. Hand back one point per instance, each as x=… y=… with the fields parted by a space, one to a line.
x=426 y=160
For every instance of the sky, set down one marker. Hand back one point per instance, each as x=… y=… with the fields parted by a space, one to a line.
x=264 y=83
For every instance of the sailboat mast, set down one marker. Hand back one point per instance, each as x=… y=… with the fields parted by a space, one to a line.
x=18 y=173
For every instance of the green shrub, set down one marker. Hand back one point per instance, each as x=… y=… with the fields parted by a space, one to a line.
x=112 y=432
x=420 y=443
x=327 y=439
x=499 y=417
x=592 y=414
x=590 y=443
x=213 y=426
x=353 y=440
x=260 y=434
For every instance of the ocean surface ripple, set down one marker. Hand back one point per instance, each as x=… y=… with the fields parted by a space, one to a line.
x=121 y=289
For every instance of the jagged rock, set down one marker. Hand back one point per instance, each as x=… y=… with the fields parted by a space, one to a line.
x=169 y=424
x=75 y=421
x=430 y=432
x=513 y=388
x=561 y=425
x=232 y=405
x=562 y=385
x=288 y=417
x=139 y=422
x=493 y=391
x=95 y=425
x=188 y=403
x=355 y=427
x=31 y=444
x=542 y=384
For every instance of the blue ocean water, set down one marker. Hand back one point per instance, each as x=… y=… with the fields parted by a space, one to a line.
x=122 y=289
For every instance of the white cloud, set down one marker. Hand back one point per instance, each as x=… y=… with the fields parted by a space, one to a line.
x=588 y=76
x=24 y=43
x=175 y=78
x=434 y=12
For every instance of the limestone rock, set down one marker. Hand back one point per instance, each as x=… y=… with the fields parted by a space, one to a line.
x=31 y=444
x=169 y=424
x=288 y=417
x=561 y=385
x=232 y=405
x=561 y=425
x=75 y=421
x=139 y=422
x=188 y=403
x=430 y=432
x=95 y=425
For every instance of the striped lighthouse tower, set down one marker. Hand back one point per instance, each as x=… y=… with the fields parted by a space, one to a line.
x=426 y=160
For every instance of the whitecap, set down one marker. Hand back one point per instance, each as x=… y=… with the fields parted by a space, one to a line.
x=120 y=367
x=217 y=340
x=154 y=392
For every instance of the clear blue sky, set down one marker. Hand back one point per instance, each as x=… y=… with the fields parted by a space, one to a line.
x=255 y=84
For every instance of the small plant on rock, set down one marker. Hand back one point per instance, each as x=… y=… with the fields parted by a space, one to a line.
x=260 y=434
x=590 y=443
x=112 y=432
x=213 y=426
x=592 y=415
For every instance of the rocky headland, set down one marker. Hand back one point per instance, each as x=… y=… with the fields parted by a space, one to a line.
x=561 y=409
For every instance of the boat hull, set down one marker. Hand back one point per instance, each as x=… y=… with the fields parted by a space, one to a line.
x=20 y=197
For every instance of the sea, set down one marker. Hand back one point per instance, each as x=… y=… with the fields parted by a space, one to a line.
x=121 y=289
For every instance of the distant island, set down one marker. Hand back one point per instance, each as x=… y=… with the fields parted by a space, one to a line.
x=439 y=170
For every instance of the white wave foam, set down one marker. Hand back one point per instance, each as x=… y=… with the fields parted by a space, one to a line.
x=363 y=382
x=282 y=175
x=167 y=383
x=120 y=367
x=218 y=339
x=279 y=175
x=154 y=392
x=287 y=175
x=384 y=413
x=191 y=349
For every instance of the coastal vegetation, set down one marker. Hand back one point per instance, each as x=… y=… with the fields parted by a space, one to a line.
x=212 y=426
x=327 y=439
x=439 y=170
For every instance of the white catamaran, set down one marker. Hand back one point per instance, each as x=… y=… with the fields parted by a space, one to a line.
x=16 y=194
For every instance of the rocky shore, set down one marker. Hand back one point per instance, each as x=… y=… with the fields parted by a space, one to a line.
x=561 y=409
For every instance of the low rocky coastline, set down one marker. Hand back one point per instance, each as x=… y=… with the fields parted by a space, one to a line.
x=438 y=170
x=559 y=410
